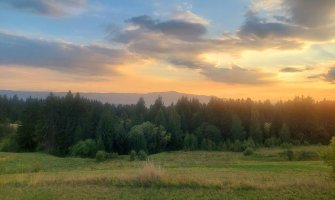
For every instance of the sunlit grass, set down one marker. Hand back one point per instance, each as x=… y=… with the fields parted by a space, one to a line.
x=225 y=174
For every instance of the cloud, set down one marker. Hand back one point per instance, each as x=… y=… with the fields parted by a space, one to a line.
x=175 y=41
x=265 y=5
x=237 y=75
x=176 y=27
x=307 y=13
x=291 y=70
x=22 y=51
x=182 y=39
x=330 y=76
x=181 y=43
x=187 y=15
x=287 y=24
x=310 y=13
x=47 y=7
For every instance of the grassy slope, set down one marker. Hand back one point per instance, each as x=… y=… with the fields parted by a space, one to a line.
x=184 y=175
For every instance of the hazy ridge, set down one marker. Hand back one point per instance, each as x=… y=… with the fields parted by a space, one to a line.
x=113 y=98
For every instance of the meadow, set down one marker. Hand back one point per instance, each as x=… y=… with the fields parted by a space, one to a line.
x=266 y=174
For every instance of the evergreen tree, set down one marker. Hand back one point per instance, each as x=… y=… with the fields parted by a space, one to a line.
x=284 y=133
x=106 y=132
x=255 y=131
x=237 y=131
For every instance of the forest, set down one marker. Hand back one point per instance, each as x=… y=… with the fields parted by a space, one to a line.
x=73 y=125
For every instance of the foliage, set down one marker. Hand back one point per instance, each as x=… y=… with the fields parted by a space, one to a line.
x=208 y=145
x=55 y=124
x=190 y=142
x=284 y=133
x=86 y=148
x=237 y=147
x=306 y=155
x=289 y=154
x=248 y=151
x=328 y=155
x=272 y=142
x=132 y=155
x=286 y=145
x=255 y=130
x=9 y=144
x=148 y=137
x=112 y=155
x=249 y=143
x=237 y=130
x=142 y=155
x=101 y=156
x=208 y=133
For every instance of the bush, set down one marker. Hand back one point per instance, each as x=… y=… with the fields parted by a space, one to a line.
x=237 y=146
x=9 y=144
x=112 y=155
x=142 y=155
x=190 y=142
x=86 y=148
x=132 y=155
x=290 y=155
x=249 y=143
x=248 y=151
x=307 y=155
x=271 y=142
x=101 y=156
x=208 y=145
x=328 y=155
x=286 y=145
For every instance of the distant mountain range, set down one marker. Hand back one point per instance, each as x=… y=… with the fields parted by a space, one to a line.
x=114 y=98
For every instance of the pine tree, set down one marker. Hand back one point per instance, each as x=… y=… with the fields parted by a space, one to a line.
x=285 y=133
x=255 y=131
x=237 y=131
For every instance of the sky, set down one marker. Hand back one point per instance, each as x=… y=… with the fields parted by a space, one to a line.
x=259 y=49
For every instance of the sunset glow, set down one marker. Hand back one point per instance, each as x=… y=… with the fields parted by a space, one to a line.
x=260 y=49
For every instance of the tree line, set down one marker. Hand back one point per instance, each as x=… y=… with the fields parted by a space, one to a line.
x=63 y=125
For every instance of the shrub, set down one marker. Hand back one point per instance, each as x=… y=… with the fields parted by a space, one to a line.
x=112 y=155
x=190 y=142
x=328 y=155
x=237 y=146
x=307 y=155
x=248 y=151
x=271 y=142
x=142 y=155
x=132 y=155
x=86 y=148
x=101 y=156
x=290 y=155
x=9 y=144
x=249 y=143
x=286 y=145
x=208 y=145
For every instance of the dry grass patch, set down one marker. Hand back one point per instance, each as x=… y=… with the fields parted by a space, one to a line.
x=150 y=174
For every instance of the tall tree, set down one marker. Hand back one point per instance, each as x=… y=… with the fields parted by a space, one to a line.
x=255 y=130
x=284 y=133
x=237 y=131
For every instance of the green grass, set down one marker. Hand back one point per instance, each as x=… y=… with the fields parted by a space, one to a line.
x=169 y=175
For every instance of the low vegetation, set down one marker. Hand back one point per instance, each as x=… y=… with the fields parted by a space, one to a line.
x=265 y=174
x=328 y=155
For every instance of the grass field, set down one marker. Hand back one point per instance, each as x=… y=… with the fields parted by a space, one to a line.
x=174 y=175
